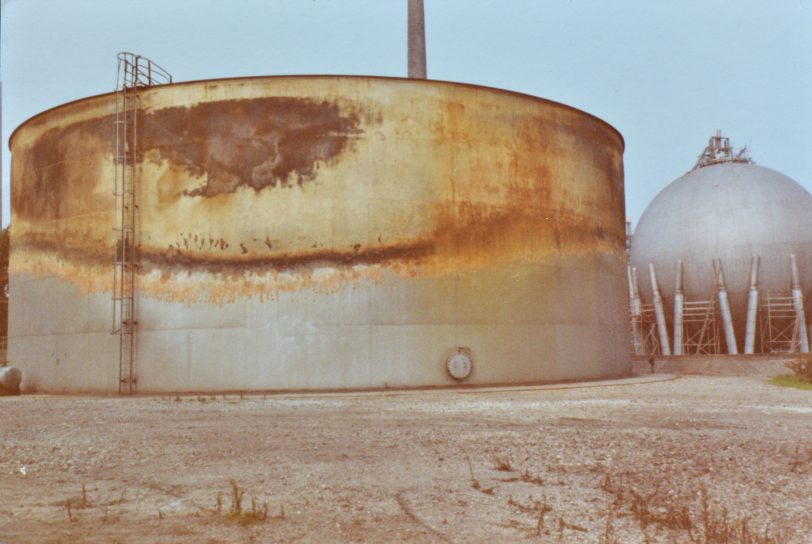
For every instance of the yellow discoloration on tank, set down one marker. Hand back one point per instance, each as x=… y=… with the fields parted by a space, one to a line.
x=417 y=179
x=322 y=232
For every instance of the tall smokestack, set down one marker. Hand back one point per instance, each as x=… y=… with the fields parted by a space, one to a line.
x=417 y=40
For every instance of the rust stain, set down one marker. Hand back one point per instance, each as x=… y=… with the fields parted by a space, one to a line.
x=465 y=232
x=256 y=143
x=509 y=191
x=55 y=185
x=467 y=235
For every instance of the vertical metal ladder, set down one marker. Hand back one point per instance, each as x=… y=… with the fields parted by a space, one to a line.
x=134 y=72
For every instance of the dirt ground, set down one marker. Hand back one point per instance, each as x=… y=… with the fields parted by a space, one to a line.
x=617 y=463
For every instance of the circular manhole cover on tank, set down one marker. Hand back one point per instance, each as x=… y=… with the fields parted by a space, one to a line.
x=460 y=363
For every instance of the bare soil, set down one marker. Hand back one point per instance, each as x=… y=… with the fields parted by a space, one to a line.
x=618 y=463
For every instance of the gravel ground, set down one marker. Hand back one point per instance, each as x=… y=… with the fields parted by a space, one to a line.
x=616 y=463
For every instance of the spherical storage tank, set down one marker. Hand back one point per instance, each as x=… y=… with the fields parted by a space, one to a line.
x=322 y=233
x=731 y=210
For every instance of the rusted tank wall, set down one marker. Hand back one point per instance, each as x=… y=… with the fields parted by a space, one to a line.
x=323 y=232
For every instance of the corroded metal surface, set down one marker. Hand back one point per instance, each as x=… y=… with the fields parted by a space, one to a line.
x=272 y=206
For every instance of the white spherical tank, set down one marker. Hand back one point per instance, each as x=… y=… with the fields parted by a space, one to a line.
x=729 y=211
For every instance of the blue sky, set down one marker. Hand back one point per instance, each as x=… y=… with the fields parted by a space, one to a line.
x=666 y=74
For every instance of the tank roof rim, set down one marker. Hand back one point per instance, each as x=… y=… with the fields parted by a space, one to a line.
x=600 y=121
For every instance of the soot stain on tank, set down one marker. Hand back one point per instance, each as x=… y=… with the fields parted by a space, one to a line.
x=256 y=143
x=54 y=188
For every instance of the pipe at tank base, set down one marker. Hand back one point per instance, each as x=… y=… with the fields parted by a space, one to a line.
x=724 y=309
x=10 y=378
x=679 y=299
x=798 y=305
x=659 y=312
x=752 y=308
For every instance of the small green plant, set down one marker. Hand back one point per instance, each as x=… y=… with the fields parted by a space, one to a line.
x=788 y=380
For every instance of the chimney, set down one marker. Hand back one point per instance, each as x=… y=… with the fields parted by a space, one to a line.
x=417 y=40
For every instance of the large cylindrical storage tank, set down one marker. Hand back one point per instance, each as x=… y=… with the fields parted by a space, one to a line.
x=322 y=233
x=729 y=211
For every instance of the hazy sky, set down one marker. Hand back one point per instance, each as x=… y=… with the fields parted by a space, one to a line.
x=665 y=74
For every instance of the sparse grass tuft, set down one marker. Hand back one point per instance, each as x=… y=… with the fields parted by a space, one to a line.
x=218 y=505
x=787 y=380
x=801 y=458
x=608 y=536
x=525 y=477
x=502 y=464
x=72 y=517
x=236 y=498
x=709 y=524
x=475 y=483
x=563 y=524
x=537 y=508
x=75 y=503
x=237 y=514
